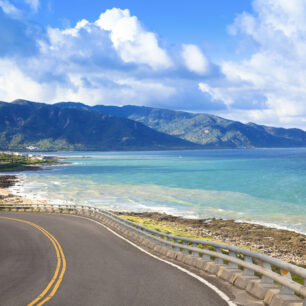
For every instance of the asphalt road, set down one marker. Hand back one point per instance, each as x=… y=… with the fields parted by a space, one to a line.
x=101 y=268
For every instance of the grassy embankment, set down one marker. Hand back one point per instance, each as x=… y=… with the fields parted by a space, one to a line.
x=165 y=228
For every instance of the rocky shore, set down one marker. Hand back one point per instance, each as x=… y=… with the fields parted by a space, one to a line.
x=283 y=244
x=6 y=197
x=7 y=180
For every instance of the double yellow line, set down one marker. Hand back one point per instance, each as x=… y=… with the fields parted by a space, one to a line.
x=56 y=280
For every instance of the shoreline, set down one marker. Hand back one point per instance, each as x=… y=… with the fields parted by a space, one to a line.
x=6 y=196
x=286 y=245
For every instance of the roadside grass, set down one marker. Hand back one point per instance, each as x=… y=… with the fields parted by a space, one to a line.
x=165 y=228
x=176 y=231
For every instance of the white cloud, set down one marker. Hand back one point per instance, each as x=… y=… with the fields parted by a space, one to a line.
x=195 y=60
x=217 y=94
x=90 y=64
x=131 y=41
x=113 y=60
x=13 y=81
x=34 y=4
x=9 y=9
x=275 y=72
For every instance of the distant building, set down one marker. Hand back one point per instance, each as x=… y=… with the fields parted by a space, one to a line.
x=32 y=148
x=37 y=157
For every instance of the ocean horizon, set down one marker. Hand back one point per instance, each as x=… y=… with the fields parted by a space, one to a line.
x=262 y=186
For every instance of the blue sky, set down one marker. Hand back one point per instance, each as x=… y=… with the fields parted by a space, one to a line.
x=239 y=59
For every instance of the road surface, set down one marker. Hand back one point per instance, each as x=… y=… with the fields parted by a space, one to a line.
x=85 y=264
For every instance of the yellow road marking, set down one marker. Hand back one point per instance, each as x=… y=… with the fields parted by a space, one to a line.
x=60 y=260
x=55 y=273
x=55 y=288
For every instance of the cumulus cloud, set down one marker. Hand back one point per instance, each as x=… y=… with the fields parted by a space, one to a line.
x=112 y=60
x=133 y=43
x=195 y=60
x=274 y=77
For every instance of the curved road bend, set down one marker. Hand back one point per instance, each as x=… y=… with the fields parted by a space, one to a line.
x=102 y=269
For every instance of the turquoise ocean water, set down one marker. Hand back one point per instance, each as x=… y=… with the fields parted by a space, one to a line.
x=266 y=186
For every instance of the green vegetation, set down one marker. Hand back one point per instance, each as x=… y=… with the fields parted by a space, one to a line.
x=9 y=162
x=205 y=129
x=75 y=126
x=166 y=228
x=78 y=127
x=53 y=128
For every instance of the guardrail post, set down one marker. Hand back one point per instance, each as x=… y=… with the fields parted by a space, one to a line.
x=162 y=243
x=219 y=260
x=194 y=253
x=169 y=246
x=177 y=249
x=150 y=237
x=248 y=271
x=286 y=274
x=265 y=279
x=205 y=256
x=184 y=250
x=232 y=264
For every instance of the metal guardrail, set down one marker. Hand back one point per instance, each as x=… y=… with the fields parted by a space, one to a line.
x=269 y=269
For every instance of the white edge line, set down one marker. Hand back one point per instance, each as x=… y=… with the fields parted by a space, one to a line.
x=202 y=280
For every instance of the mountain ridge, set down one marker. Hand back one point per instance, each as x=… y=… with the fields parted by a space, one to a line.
x=77 y=126
x=205 y=129
x=24 y=123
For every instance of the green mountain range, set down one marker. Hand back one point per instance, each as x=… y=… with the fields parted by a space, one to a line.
x=204 y=129
x=76 y=126
x=50 y=128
